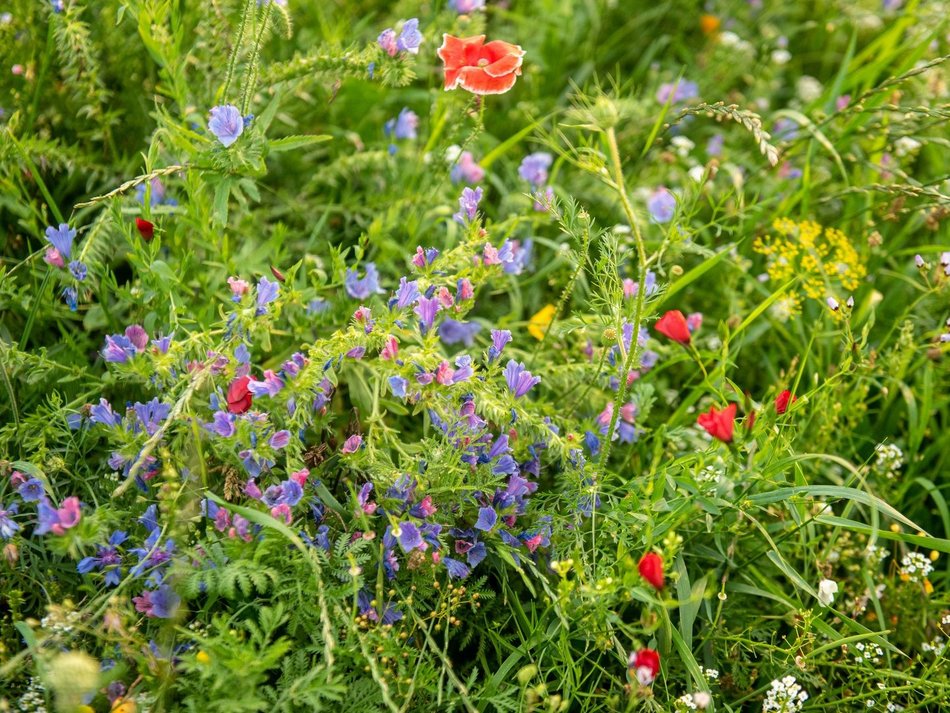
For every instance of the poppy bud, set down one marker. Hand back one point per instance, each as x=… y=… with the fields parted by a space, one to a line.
x=146 y=229
x=277 y=273
x=651 y=569
x=782 y=401
x=673 y=325
x=239 y=397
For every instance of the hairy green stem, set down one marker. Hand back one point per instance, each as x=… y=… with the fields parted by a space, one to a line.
x=236 y=50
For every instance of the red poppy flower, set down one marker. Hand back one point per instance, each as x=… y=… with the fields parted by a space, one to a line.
x=783 y=400
x=651 y=569
x=719 y=424
x=146 y=229
x=239 y=398
x=645 y=665
x=478 y=67
x=673 y=325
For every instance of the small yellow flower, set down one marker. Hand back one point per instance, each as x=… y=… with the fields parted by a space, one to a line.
x=123 y=705
x=540 y=321
x=928 y=587
x=709 y=24
x=202 y=657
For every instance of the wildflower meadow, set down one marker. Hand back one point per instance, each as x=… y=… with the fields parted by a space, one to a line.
x=474 y=355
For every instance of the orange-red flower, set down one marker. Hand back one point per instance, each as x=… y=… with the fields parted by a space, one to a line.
x=719 y=424
x=146 y=229
x=478 y=67
x=782 y=401
x=651 y=569
x=673 y=325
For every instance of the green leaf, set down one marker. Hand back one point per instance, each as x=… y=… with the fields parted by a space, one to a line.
x=291 y=143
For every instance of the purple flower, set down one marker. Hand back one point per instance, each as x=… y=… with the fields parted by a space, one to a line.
x=387 y=41
x=456 y=569
x=78 y=270
x=534 y=168
x=8 y=527
x=397 y=385
x=499 y=338
x=102 y=413
x=360 y=289
x=715 y=144
x=61 y=238
x=157 y=196
x=406 y=294
x=452 y=332
x=266 y=293
x=463 y=7
x=57 y=521
x=422 y=258
x=520 y=380
x=280 y=439
x=352 y=444
x=404 y=126
x=410 y=38
x=426 y=310
x=682 y=90
x=487 y=517
x=161 y=603
x=226 y=124
x=118 y=349
x=151 y=414
x=662 y=205
x=137 y=336
x=223 y=424
x=408 y=536
x=466 y=169
x=31 y=490
x=270 y=386
x=71 y=297
x=468 y=205
x=107 y=558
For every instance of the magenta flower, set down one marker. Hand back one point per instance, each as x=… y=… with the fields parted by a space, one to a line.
x=352 y=444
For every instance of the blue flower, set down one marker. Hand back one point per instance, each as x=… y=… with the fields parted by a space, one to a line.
x=456 y=569
x=61 y=238
x=8 y=527
x=102 y=413
x=360 y=289
x=662 y=205
x=31 y=490
x=468 y=205
x=410 y=38
x=397 y=385
x=406 y=294
x=226 y=124
x=408 y=536
x=499 y=338
x=78 y=270
x=534 y=168
x=404 y=126
x=71 y=297
x=266 y=293
x=487 y=517
x=520 y=380
x=426 y=310
x=452 y=331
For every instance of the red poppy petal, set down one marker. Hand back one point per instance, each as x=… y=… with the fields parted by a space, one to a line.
x=452 y=78
x=477 y=81
x=496 y=49
x=506 y=65
x=453 y=49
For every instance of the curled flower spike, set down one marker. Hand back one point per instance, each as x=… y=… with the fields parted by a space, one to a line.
x=480 y=68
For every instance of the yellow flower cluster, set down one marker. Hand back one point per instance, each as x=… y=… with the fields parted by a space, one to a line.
x=823 y=258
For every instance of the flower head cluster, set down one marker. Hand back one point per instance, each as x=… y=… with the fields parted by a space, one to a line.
x=408 y=39
x=888 y=459
x=784 y=696
x=823 y=258
x=915 y=567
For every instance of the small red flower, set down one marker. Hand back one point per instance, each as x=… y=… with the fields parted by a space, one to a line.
x=783 y=400
x=673 y=325
x=645 y=665
x=651 y=569
x=239 y=397
x=146 y=229
x=478 y=67
x=719 y=424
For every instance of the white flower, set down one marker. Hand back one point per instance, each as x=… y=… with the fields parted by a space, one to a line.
x=682 y=145
x=702 y=699
x=809 y=89
x=697 y=173
x=827 y=588
x=781 y=57
x=906 y=145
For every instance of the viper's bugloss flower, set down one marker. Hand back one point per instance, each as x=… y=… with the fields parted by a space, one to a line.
x=239 y=396
x=267 y=292
x=387 y=41
x=53 y=258
x=280 y=439
x=8 y=526
x=452 y=332
x=78 y=270
x=644 y=665
x=487 y=517
x=681 y=90
x=673 y=325
x=102 y=413
x=456 y=569
x=463 y=7
x=650 y=567
x=783 y=400
x=406 y=294
x=226 y=124
x=661 y=205
x=57 y=520
x=480 y=68
x=409 y=37
x=426 y=309
x=146 y=229
x=160 y=603
x=422 y=258
x=62 y=239
x=534 y=168
x=361 y=289
x=269 y=386
x=31 y=490
x=107 y=559
x=70 y=296
x=499 y=338
x=719 y=424
x=404 y=126
x=520 y=380
x=468 y=205
x=466 y=169
x=352 y=444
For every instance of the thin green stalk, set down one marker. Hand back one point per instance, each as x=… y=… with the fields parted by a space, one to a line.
x=250 y=80
x=236 y=50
